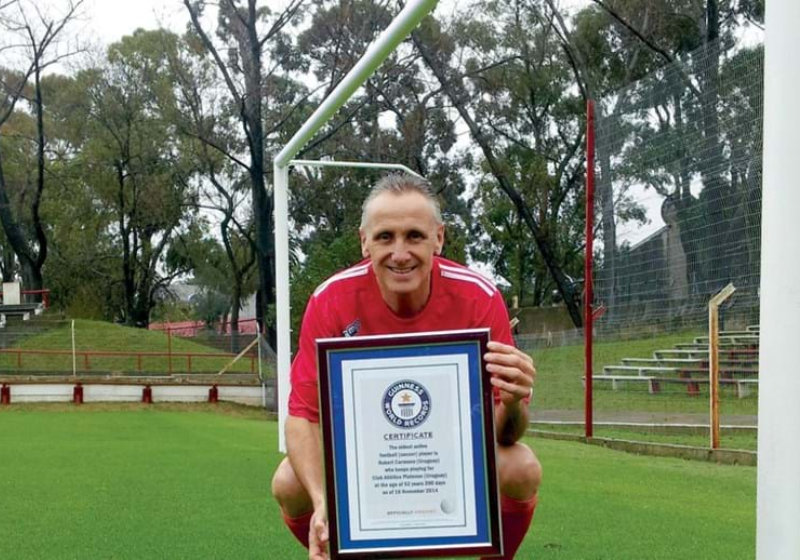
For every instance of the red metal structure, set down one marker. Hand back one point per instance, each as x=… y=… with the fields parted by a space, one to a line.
x=588 y=318
x=45 y=295
x=77 y=394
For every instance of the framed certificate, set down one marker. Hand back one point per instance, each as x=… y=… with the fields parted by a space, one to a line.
x=409 y=446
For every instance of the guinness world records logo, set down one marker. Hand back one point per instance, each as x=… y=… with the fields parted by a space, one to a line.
x=406 y=404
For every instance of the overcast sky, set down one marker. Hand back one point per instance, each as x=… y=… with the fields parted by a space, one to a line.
x=109 y=20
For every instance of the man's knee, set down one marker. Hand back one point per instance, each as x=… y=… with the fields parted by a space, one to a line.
x=281 y=481
x=288 y=490
x=520 y=471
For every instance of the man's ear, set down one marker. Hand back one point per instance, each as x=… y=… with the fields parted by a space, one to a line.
x=363 y=238
x=439 y=239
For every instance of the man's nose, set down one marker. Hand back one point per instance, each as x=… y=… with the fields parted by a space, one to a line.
x=400 y=251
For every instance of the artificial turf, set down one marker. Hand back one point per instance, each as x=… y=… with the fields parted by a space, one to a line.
x=175 y=481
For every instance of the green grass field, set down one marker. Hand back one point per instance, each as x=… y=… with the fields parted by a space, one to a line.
x=192 y=481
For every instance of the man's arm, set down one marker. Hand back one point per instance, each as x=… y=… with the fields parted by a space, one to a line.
x=513 y=373
x=511 y=422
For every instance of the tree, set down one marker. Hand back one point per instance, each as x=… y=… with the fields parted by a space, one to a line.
x=141 y=169
x=36 y=38
x=202 y=118
x=253 y=37
x=512 y=92
x=688 y=43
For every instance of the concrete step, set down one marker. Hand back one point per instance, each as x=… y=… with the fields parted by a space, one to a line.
x=725 y=354
x=695 y=363
x=723 y=345
x=749 y=339
x=691 y=363
x=640 y=362
x=636 y=370
x=654 y=384
x=724 y=371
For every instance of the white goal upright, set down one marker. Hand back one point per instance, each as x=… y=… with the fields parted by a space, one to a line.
x=778 y=531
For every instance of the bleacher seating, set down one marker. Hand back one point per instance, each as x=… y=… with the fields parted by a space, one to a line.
x=687 y=364
x=23 y=310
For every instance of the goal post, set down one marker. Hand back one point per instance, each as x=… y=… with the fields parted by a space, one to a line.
x=778 y=445
x=378 y=51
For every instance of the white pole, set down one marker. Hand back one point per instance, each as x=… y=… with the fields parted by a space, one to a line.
x=260 y=371
x=282 y=270
x=284 y=349
x=353 y=164
x=258 y=338
x=779 y=387
x=74 y=357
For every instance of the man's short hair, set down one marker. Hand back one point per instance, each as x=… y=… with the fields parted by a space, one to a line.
x=402 y=183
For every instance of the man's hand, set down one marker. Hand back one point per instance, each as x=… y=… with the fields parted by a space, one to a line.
x=318 y=535
x=512 y=372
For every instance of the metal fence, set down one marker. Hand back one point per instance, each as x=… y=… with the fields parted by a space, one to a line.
x=679 y=193
x=678 y=217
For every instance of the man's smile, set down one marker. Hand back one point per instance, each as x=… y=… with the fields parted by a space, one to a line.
x=402 y=271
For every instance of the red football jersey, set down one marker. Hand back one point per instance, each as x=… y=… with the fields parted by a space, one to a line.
x=350 y=304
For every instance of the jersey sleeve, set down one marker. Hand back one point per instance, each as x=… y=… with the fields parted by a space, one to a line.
x=496 y=318
x=304 y=395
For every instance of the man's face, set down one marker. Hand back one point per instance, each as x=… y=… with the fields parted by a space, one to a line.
x=400 y=236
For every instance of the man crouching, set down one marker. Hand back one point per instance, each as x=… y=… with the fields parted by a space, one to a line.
x=404 y=286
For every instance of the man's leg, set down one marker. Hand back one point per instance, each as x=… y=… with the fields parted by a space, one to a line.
x=295 y=502
x=520 y=474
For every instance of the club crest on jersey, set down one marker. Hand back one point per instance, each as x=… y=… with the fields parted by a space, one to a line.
x=352 y=329
x=406 y=404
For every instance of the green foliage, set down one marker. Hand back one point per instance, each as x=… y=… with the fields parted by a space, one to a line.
x=210 y=306
x=520 y=85
x=140 y=174
x=326 y=256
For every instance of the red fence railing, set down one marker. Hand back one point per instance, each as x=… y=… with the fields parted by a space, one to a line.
x=86 y=357
x=45 y=296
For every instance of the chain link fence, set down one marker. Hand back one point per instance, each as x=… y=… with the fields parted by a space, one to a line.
x=678 y=217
